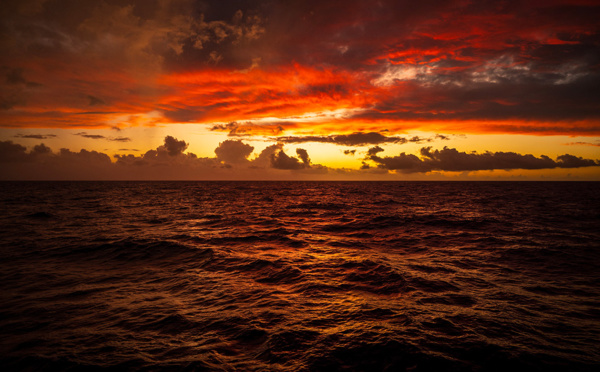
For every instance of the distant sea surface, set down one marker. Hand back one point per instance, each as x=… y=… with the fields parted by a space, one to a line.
x=293 y=276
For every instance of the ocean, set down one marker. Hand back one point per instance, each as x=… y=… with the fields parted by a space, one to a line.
x=300 y=276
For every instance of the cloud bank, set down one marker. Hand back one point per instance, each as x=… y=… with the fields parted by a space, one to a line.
x=452 y=160
x=234 y=160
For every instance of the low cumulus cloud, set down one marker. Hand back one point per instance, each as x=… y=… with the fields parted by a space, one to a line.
x=303 y=155
x=233 y=161
x=449 y=159
x=280 y=160
x=42 y=163
x=167 y=161
x=12 y=152
x=174 y=147
x=233 y=151
x=572 y=161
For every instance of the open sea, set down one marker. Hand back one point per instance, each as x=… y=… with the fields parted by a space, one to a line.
x=300 y=276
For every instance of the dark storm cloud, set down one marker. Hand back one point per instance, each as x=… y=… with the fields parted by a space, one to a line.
x=148 y=35
x=374 y=151
x=222 y=38
x=174 y=147
x=41 y=149
x=571 y=161
x=578 y=99
x=449 y=159
x=36 y=136
x=12 y=152
x=280 y=160
x=352 y=32
x=500 y=73
x=303 y=155
x=169 y=153
x=454 y=160
x=231 y=151
x=84 y=157
x=166 y=161
x=334 y=32
x=265 y=156
x=342 y=32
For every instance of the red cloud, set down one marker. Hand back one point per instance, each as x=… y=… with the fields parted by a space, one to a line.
x=221 y=95
x=467 y=66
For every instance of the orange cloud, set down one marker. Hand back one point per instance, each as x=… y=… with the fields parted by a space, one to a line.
x=459 y=67
x=221 y=95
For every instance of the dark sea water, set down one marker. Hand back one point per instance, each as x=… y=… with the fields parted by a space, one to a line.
x=319 y=276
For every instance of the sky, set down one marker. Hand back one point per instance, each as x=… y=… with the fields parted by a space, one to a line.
x=299 y=90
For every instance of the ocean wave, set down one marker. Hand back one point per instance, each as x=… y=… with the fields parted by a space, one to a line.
x=299 y=276
x=131 y=250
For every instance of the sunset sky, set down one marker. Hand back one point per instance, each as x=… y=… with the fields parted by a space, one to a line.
x=265 y=89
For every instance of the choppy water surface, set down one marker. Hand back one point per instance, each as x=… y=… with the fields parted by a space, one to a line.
x=300 y=276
